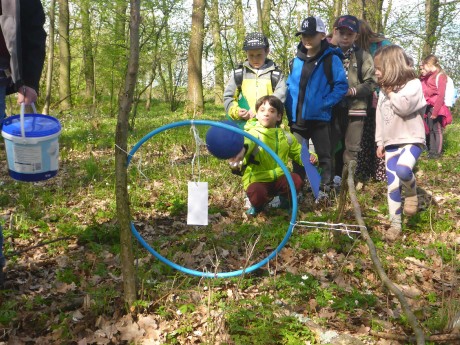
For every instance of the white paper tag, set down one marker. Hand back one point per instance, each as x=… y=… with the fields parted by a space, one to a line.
x=197 y=213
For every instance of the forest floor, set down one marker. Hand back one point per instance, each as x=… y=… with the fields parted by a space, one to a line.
x=64 y=283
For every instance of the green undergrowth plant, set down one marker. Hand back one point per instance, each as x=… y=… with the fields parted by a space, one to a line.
x=250 y=324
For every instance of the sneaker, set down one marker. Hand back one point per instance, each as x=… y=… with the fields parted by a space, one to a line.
x=253 y=211
x=410 y=205
x=322 y=196
x=275 y=203
x=247 y=203
x=433 y=155
x=394 y=231
x=337 y=181
x=285 y=203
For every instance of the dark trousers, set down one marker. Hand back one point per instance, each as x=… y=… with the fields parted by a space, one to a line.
x=260 y=193
x=347 y=132
x=435 y=137
x=320 y=134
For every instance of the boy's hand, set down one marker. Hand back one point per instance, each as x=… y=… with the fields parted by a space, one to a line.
x=237 y=161
x=245 y=114
x=380 y=151
x=313 y=158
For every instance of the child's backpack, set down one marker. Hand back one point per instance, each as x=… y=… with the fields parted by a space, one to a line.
x=449 y=96
x=275 y=76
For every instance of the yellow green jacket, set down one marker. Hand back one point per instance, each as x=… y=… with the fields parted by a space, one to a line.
x=260 y=165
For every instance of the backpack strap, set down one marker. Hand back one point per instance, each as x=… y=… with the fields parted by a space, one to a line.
x=327 y=66
x=238 y=75
x=359 y=63
x=275 y=77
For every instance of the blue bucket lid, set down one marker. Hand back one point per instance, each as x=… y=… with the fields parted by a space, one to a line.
x=35 y=125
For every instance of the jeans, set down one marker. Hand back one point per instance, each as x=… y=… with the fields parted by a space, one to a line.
x=2 y=117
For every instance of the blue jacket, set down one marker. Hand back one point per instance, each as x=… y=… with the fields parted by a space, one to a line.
x=319 y=98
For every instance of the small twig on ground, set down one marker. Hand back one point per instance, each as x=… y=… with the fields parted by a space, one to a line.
x=41 y=244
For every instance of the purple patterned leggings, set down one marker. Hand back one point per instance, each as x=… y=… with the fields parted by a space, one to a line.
x=399 y=161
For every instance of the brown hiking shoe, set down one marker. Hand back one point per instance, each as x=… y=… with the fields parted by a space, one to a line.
x=393 y=233
x=410 y=205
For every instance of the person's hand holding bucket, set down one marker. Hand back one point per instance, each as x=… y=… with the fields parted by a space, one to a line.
x=27 y=95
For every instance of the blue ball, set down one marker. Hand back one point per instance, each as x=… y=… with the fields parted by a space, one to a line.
x=224 y=143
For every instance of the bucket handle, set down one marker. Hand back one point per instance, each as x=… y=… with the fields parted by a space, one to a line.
x=21 y=117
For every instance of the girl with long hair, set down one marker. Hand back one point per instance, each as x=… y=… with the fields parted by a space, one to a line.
x=400 y=132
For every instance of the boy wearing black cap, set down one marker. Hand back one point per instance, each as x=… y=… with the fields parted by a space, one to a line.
x=258 y=76
x=349 y=115
x=315 y=84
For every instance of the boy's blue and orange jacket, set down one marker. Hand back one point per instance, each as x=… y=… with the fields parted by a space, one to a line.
x=261 y=167
x=319 y=96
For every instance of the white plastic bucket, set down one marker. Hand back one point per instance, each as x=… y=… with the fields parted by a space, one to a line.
x=32 y=146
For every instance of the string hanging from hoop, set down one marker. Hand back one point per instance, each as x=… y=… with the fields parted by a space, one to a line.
x=198 y=143
x=346 y=228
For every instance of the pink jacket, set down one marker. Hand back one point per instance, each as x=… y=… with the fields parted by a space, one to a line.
x=399 y=117
x=434 y=95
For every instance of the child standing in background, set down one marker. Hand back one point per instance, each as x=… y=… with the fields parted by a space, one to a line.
x=348 y=116
x=315 y=84
x=400 y=132
x=434 y=81
x=256 y=77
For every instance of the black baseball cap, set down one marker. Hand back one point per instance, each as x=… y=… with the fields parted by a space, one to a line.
x=311 y=25
x=349 y=22
x=255 y=40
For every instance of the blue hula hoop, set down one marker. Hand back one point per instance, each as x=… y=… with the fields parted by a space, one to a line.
x=265 y=147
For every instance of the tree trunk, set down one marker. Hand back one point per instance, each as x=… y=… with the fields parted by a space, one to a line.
x=118 y=47
x=195 y=54
x=259 y=15
x=337 y=10
x=432 y=22
x=240 y=31
x=64 y=56
x=87 y=45
x=370 y=10
x=125 y=101
x=218 y=54
x=266 y=10
x=49 y=70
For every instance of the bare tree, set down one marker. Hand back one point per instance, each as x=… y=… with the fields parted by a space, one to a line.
x=218 y=53
x=195 y=55
x=87 y=45
x=64 y=56
x=432 y=22
x=125 y=100
x=49 y=69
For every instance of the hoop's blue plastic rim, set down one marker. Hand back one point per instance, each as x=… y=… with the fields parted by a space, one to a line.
x=265 y=147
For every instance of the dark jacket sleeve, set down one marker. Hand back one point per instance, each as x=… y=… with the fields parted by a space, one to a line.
x=33 y=43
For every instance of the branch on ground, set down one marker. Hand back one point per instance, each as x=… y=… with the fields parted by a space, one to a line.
x=348 y=175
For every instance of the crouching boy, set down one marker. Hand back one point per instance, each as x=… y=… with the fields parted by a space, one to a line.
x=263 y=178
